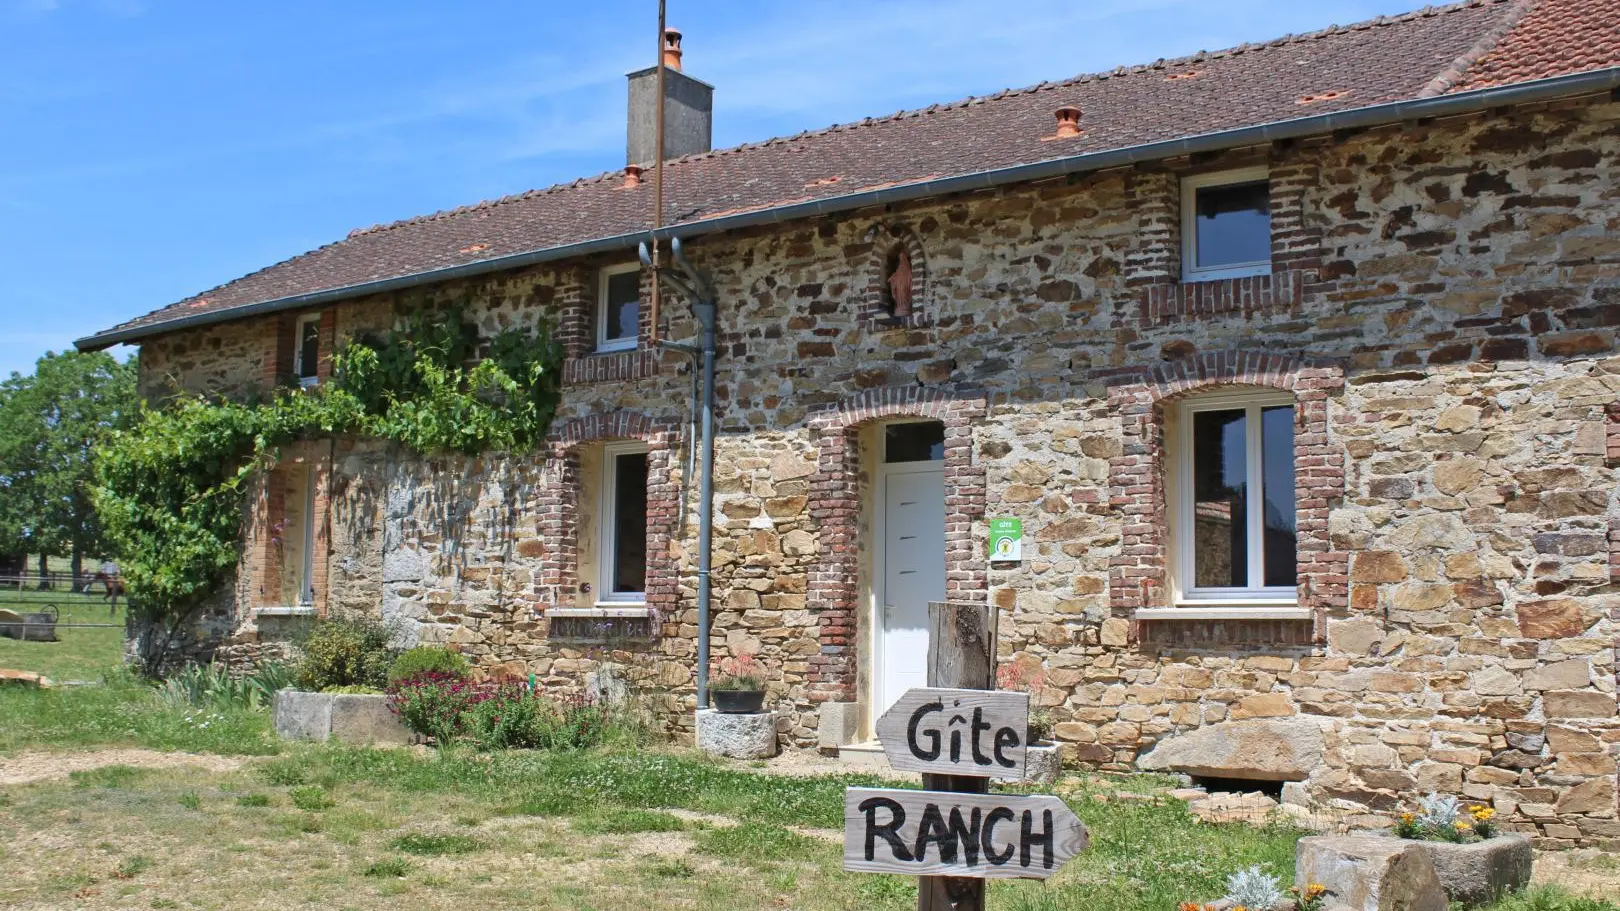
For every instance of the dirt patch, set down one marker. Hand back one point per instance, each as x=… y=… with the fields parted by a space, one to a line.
x=26 y=767
x=1585 y=872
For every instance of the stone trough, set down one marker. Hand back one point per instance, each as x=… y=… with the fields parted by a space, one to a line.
x=345 y=717
x=1384 y=873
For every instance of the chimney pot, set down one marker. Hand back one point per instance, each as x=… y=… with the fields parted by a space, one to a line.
x=1068 y=121
x=672 y=48
x=632 y=176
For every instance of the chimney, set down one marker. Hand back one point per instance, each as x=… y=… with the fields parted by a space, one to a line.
x=688 y=109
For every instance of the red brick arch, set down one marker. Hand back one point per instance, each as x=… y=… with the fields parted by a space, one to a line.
x=835 y=508
x=1138 y=574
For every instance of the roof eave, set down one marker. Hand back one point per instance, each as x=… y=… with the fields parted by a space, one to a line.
x=1541 y=90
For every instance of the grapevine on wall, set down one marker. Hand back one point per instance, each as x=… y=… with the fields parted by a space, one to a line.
x=170 y=488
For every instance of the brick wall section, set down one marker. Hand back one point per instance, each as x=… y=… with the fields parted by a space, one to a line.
x=1138 y=575
x=835 y=506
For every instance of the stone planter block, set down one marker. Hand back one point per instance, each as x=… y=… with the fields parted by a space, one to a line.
x=1479 y=873
x=1370 y=872
x=1043 y=763
x=838 y=724
x=350 y=718
x=737 y=736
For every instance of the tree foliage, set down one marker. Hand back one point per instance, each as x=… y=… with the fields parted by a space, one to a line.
x=170 y=489
x=50 y=424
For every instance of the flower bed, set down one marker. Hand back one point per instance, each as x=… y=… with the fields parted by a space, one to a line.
x=496 y=715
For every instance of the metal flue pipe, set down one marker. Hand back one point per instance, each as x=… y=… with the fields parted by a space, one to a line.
x=699 y=293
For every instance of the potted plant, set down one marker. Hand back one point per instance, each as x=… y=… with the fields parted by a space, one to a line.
x=739 y=686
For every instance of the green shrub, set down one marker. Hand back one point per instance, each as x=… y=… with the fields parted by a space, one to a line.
x=394 y=867
x=253 y=800
x=345 y=653
x=353 y=691
x=427 y=659
x=496 y=716
x=214 y=685
x=310 y=797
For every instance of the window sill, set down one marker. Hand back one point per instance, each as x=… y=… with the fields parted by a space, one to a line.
x=1237 y=611
x=1255 y=271
x=605 y=610
x=298 y=610
x=617 y=347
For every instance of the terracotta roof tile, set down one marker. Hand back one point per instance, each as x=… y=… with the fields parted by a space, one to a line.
x=1338 y=68
x=1550 y=38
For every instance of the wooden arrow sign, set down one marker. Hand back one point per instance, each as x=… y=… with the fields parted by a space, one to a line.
x=957 y=732
x=939 y=833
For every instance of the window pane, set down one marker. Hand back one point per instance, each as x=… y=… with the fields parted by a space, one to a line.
x=1234 y=224
x=630 y=522
x=1220 y=529
x=1277 y=472
x=309 y=349
x=623 y=311
x=923 y=442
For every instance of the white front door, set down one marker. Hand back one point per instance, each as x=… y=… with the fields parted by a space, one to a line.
x=911 y=573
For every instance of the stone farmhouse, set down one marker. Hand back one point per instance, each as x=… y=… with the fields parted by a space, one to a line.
x=1297 y=362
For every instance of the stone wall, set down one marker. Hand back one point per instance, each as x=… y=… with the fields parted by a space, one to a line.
x=1442 y=307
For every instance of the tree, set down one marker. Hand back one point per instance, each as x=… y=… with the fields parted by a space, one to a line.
x=50 y=424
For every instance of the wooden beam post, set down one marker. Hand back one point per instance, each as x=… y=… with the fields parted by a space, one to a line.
x=961 y=655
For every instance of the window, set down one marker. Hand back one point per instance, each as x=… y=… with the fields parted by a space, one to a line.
x=914 y=441
x=1226 y=225
x=618 y=308
x=1233 y=492
x=623 y=554
x=307 y=354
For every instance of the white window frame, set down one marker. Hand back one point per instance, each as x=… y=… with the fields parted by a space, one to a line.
x=603 y=343
x=1189 y=225
x=314 y=378
x=1184 y=595
x=607 y=520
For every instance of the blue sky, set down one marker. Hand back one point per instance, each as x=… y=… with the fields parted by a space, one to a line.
x=150 y=150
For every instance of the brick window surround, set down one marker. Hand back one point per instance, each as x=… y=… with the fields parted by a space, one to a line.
x=1154 y=271
x=281 y=343
x=835 y=507
x=557 y=506
x=262 y=549
x=874 y=299
x=576 y=300
x=1138 y=575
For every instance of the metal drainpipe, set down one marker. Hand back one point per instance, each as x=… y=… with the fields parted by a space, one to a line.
x=700 y=295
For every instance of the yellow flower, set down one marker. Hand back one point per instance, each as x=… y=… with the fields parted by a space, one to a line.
x=1408 y=817
x=1314 y=889
x=1463 y=825
x=1481 y=813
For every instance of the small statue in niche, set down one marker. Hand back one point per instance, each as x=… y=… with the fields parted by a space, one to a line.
x=899 y=281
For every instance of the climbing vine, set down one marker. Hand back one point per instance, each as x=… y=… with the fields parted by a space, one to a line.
x=170 y=489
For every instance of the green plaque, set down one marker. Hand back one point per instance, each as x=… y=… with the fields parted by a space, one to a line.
x=1007 y=539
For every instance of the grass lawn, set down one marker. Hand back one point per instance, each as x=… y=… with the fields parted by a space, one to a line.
x=81 y=654
x=329 y=826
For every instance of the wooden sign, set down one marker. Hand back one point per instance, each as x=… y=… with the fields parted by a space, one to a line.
x=957 y=732
x=940 y=833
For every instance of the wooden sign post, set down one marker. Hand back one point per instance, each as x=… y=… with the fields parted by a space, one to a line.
x=959 y=733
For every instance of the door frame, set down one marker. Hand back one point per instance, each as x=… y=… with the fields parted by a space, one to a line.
x=881 y=473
